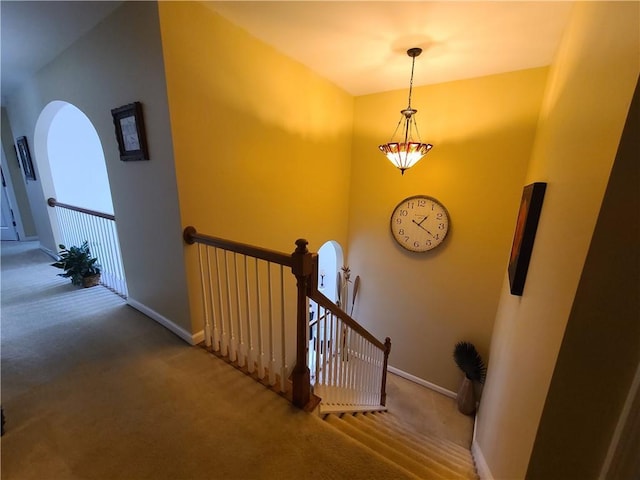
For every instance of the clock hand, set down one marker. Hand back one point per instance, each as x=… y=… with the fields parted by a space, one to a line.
x=418 y=224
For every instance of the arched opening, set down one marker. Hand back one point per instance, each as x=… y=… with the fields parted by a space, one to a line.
x=72 y=169
x=330 y=260
x=77 y=161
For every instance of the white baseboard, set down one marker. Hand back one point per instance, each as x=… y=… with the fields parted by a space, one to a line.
x=422 y=382
x=191 y=339
x=53 y=255
x=198 y=337
x=481 y=464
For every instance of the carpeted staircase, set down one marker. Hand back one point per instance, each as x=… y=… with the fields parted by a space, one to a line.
x=424 y=456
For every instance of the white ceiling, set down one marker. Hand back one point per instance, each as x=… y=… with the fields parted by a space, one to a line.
x=359 y=45
x=35 y=32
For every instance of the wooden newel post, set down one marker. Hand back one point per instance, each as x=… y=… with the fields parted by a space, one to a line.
x=302 y=268
x=187 y=235
x=383 y=392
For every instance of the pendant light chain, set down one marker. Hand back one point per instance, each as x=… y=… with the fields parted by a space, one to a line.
x=413 y=64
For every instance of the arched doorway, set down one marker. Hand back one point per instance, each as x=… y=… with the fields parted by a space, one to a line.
x=330 y=260
x=77 y=161
x=72 y=168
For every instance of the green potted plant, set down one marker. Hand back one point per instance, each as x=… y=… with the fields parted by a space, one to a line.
x=470 y=362
x=78 y=265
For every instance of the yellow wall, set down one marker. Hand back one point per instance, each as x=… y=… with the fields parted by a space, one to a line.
x=262 y=144
x=482 y=131
x=600 y=350
x=590 y=89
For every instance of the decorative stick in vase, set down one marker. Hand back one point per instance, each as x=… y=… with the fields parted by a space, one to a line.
x=356 y=287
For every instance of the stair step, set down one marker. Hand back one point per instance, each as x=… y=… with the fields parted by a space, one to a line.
x=459 y=462
x=423 y=455
x=382 y=448
x=388 y=422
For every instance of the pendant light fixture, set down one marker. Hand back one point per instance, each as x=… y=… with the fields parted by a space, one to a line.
x=409 y=150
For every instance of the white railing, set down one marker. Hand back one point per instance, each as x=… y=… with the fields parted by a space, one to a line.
x=77 y=224
x=348 y=365
x=249 y=310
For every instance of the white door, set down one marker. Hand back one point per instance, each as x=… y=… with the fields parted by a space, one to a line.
x=8 y=225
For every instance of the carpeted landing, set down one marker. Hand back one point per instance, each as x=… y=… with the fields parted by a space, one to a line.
x=93 y=389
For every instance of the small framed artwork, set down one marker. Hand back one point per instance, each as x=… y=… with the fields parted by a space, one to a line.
x=130 y=132
x=25 y=158
x=525 y=234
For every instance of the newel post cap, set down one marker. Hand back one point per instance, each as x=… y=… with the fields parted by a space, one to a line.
x=302 y=259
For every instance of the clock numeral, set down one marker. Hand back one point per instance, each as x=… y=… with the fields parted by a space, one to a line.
x=404 y=213
x=439 y=216
x=410 y=204
x=437 y=236
x=428 y=243
x=406 y=238
x=398 y=221
x=401 y=231
x=416 y=244
x=422 y=202
x=441 y=226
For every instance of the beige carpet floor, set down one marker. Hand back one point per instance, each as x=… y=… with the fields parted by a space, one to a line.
x=93 y=389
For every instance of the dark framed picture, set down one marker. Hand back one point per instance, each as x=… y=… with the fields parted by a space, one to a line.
x=525 y=234
x=25 y=158
x=130 y=132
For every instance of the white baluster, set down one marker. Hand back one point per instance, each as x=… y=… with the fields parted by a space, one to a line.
x=231 y=332
x=203 y=290
x=251 y=352
x=272 y=353
x=241 y=354
x=283 y=329
x=361 y=369
x=261 y=359
x=321 y=328
x=342 y=362
x=215 y=330
x=224 y=343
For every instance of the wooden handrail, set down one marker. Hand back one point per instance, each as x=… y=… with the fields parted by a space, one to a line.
x=52 y=202
x=324 y=302
x=191 y=236
x=318 y=297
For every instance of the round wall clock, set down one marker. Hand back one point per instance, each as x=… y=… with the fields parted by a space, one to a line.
x=419 y=223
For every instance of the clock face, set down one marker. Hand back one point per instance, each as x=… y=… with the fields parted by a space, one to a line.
x=419 y=223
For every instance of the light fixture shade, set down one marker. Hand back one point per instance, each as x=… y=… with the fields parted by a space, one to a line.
x=405 y=155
